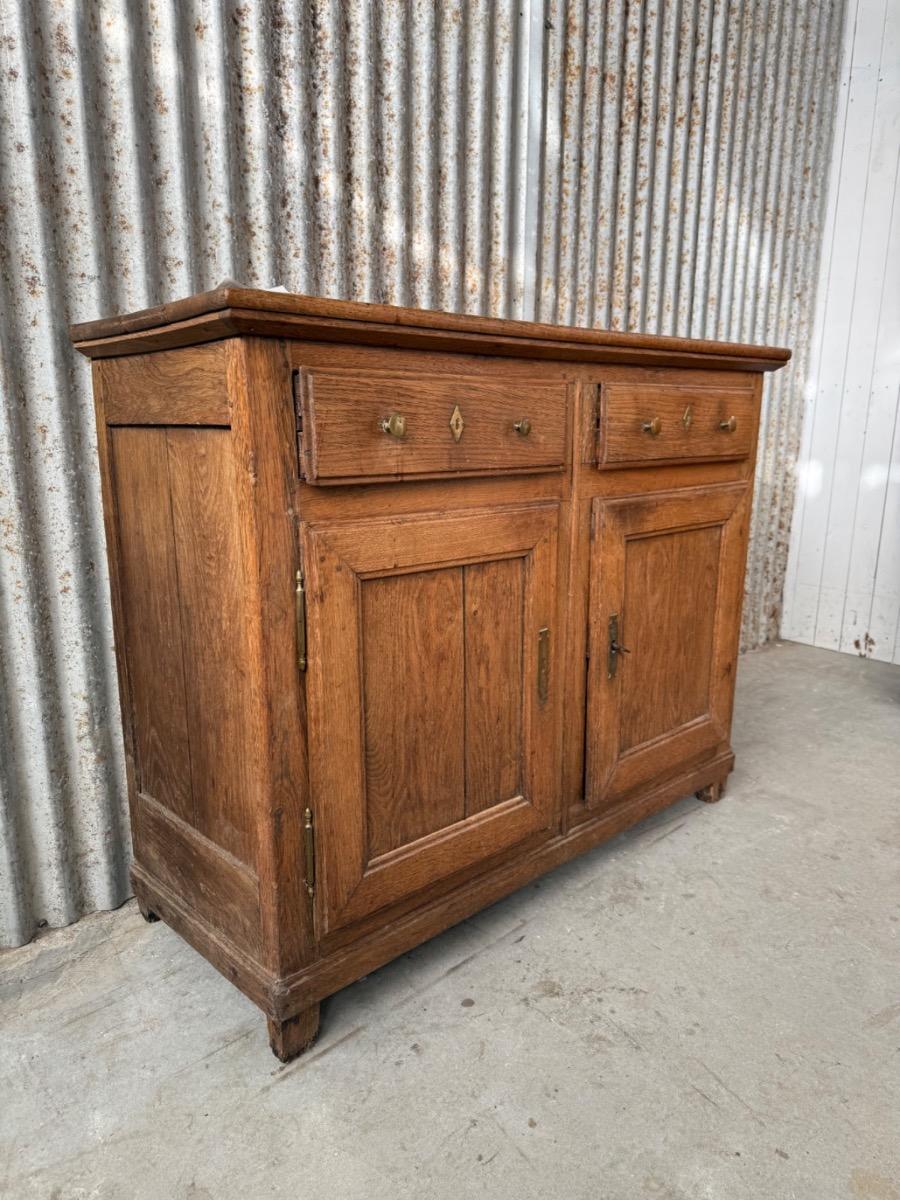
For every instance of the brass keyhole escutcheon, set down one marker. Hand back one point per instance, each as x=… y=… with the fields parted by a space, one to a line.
x=614 y=647
x=543 y=672
x=394 y=425
x=457 y=424
x=688 y=417
x=652 y=426
x=523 y=427
x=729 y=425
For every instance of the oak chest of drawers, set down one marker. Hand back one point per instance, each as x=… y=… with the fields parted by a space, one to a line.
x=409 y=608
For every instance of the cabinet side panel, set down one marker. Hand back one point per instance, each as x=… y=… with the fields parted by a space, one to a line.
x=152 y=648
x=217 y=673
x=172 y=387
x=217 y=888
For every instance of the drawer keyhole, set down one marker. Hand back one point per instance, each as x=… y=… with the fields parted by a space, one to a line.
x=457 y=424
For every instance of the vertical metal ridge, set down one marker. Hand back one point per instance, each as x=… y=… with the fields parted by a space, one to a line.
x=767 y=316
x=666 y=75
x=625 y=198
x=603 y=299
x=650 y=88
x=725 y=181
x=450 y=178
x=714 y=128
x=684 y=55
x=654 y=166
x=547 y=269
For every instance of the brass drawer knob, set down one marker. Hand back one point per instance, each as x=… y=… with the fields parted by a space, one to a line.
x=523 y=427
x=394 y=425
x=652 y=427
x=728 y=426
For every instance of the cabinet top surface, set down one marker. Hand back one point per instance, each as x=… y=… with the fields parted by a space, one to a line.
x=230 y=310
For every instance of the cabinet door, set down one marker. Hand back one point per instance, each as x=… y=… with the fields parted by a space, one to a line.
x=666 y=588
x=432 y=736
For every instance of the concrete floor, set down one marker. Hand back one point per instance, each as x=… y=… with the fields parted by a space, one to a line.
x=708 y=1006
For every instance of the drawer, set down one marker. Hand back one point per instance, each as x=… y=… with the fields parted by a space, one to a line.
x=386 y=425
x=653 y=423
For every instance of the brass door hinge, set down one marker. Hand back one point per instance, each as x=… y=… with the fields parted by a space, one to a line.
x=300 y=606
x=309 y=853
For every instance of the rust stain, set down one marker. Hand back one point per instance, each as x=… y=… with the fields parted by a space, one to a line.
x=865 y=645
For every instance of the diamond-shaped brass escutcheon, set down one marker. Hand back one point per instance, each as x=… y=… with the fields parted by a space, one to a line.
x=457 y=424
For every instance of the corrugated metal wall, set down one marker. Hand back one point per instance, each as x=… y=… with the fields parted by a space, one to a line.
x=653 y=166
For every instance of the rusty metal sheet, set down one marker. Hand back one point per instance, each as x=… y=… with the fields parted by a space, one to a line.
x=641 y=164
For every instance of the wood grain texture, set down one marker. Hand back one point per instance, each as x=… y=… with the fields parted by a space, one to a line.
x=116 y=585
x=494 y=685
x=210 y=575
x=343 y=440
x=641 y=726
x=292 y=1036
x=689 y=423
x=343 y=561
x=175 y=906
x=291 y=994
x=173 y=387
x=223 y=891
x=389 y=938
x=151 y=640
x=264 y=453
x=413 y=706
x=228 y=310
x=437 y=778
x=667 y=621
x=645 y=350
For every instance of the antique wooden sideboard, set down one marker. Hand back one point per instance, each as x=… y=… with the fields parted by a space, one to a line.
x=409 y=609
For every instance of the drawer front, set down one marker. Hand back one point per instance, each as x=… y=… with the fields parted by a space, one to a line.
x=649 y=424
x=380 y=425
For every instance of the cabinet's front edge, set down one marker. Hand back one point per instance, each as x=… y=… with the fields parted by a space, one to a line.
x=345 y=966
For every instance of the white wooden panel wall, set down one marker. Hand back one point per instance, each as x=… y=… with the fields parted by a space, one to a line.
x=842 y=589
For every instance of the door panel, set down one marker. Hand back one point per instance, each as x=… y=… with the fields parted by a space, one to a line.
x=414 y=719
x=668 y=681
x=430 y=745
x=494 y=681
x=668 y=568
